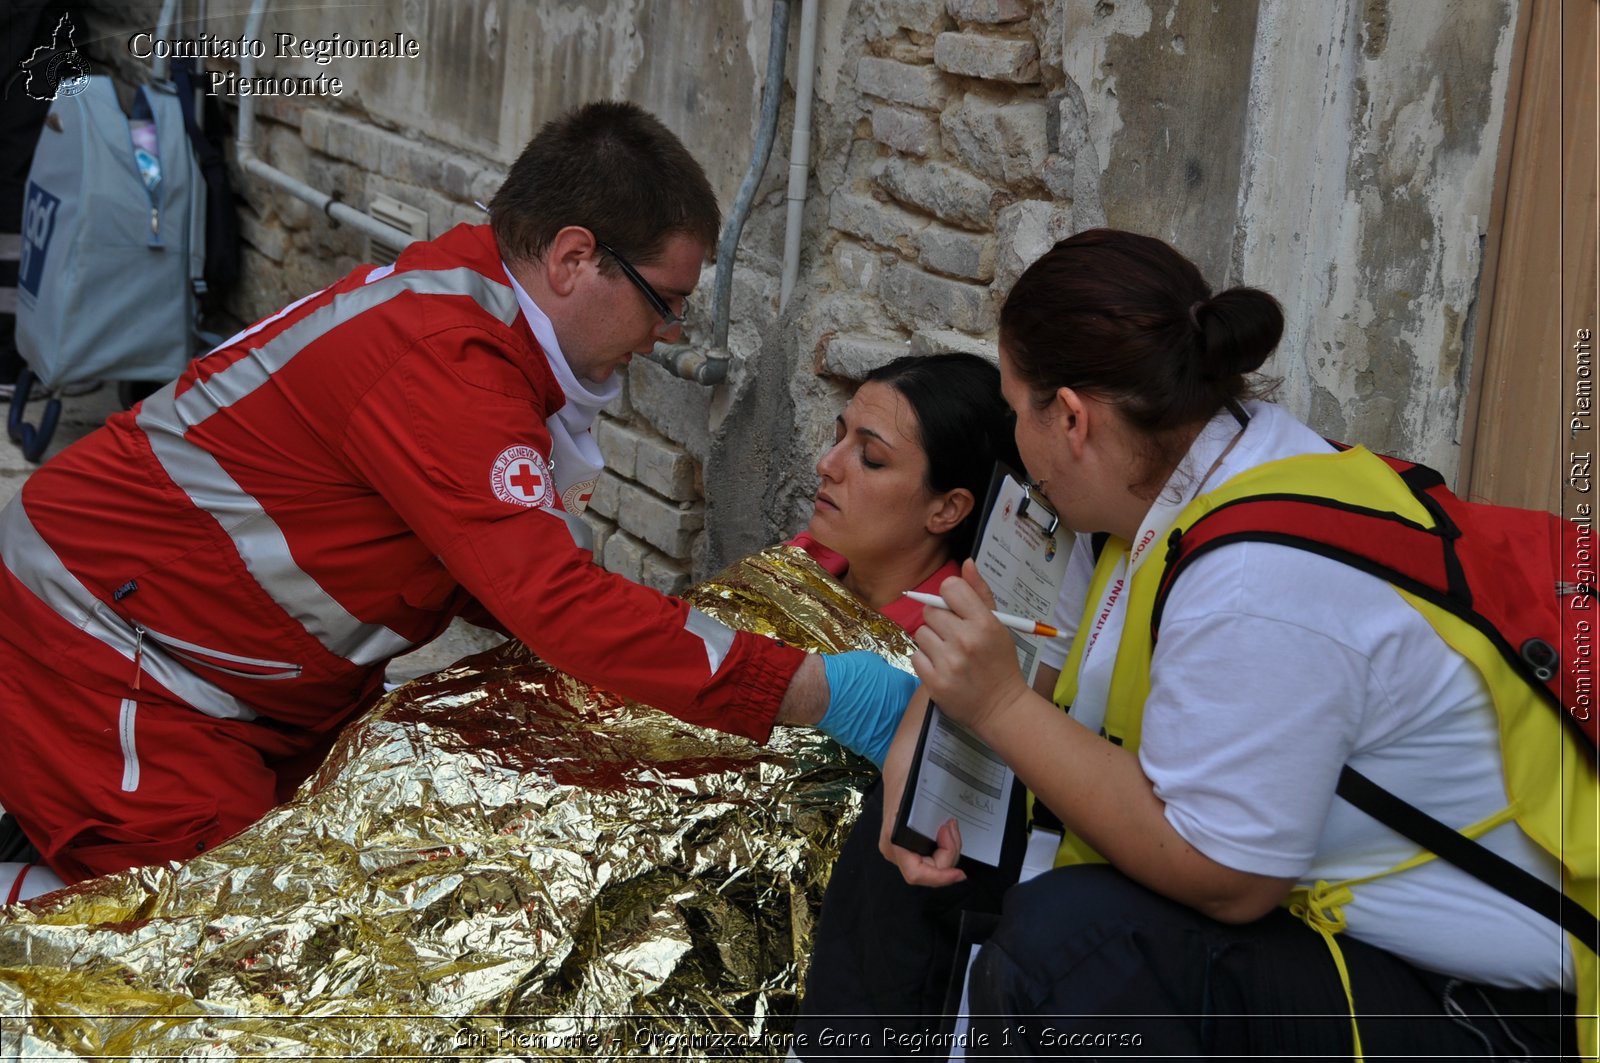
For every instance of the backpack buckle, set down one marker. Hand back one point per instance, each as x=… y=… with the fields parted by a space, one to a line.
x=1542 y=658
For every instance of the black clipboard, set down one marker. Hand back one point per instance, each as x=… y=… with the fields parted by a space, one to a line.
x=1014 y=839
x=903 y=835
x=1034 y=508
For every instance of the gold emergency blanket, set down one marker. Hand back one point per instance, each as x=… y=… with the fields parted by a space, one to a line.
x=497 y=861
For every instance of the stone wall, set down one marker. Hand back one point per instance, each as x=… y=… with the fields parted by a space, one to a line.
x=1339 y=153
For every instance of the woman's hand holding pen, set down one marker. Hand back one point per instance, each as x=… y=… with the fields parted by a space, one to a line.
x=966 y=660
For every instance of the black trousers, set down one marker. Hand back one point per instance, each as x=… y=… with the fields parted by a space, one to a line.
x=884 y=951
x=1083 y=962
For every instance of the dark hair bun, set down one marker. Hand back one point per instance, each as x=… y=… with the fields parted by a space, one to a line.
x=1127 y=317
x=1241 y=327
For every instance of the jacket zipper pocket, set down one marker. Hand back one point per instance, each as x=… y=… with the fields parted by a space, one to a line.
x=217 y=660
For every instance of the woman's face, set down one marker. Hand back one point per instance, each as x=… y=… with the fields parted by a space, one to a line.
x=1038 y=446
x=1081 y=452
x=873 y=501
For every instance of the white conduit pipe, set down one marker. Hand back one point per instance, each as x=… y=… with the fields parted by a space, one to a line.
x=245 y=150
x=800 y=148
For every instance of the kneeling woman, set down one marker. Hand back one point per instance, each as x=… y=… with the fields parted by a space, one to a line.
x=1214 y=809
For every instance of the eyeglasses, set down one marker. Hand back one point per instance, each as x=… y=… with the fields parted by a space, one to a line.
x=669 y=320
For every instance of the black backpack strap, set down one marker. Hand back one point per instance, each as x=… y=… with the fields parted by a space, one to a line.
x=1486 y=866
x=222 y=220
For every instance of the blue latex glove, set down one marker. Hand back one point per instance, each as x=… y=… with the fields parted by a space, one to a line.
x=866 y=698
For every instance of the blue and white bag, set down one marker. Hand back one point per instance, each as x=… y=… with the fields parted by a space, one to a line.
x=111 y=244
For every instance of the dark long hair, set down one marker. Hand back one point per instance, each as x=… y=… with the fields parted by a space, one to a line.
x=963 y=422
x=1128 y=320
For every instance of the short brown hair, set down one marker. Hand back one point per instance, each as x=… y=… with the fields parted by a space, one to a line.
x=613 y=168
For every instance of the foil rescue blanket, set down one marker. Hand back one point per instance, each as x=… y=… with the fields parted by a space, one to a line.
x=497 y=861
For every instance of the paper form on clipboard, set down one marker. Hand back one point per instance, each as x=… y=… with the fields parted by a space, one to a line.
x=1022 y=554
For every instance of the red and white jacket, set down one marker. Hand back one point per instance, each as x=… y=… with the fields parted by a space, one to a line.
x=328 y=489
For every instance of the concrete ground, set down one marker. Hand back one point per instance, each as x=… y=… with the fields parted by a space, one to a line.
x=82 y=414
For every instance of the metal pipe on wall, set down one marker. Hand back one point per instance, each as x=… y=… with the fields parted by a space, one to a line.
x=711 y=366
x=244 y=146
x=766 y=133
x=800 y=148
x=689 y=362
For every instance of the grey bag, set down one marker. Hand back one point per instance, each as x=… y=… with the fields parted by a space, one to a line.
x=105 y=289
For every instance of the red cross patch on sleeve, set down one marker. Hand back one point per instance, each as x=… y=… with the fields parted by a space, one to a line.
x=522 y=477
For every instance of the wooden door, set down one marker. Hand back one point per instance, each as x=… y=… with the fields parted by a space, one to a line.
x=1529 y=435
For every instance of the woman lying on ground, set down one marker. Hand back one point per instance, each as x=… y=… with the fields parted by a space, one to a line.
x=1214 y=804
x=897 y=507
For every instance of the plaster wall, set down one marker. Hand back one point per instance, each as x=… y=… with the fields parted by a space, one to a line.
x=1373 y=134
x=1167 y=90
x=437 y=132
x=490 y=72
x=1339 y=154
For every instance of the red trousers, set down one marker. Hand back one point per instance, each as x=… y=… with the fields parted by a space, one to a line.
x=102 y=779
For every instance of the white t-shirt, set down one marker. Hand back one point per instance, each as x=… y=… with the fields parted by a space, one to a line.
x=1274 y=668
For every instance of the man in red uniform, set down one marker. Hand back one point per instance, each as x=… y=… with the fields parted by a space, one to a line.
x=196 y=597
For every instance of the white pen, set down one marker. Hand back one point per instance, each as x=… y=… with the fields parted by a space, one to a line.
x=1015 y=623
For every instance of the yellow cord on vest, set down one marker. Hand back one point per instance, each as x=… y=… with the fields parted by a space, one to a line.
x=1322 y=909
x=1322 y=906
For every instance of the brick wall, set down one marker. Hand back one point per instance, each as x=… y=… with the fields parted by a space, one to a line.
x=970 y=147
x=647 y=510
